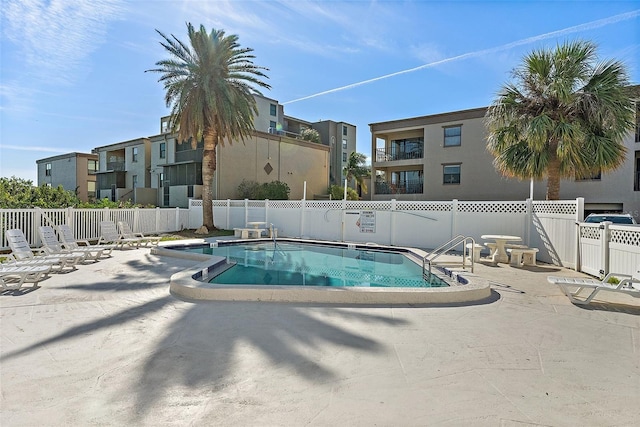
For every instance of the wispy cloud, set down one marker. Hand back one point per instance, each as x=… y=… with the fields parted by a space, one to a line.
x=38 y=149
x=529 y=40
x=55 y=36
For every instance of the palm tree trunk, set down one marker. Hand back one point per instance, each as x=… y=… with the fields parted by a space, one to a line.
x=553 y=178
x=208 y=169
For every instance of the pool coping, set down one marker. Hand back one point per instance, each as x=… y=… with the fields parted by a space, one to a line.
x=186 y=286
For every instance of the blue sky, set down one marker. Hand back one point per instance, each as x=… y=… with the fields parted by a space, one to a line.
x=72 y=72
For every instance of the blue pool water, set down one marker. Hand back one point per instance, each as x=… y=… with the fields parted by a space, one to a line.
x=300 y=264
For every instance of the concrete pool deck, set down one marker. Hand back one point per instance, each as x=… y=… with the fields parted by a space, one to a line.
x=108 y=345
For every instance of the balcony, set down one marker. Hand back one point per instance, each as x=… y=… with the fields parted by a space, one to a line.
x=400 y=187
x=189 y=155
x=387 y=155
x=115 y=166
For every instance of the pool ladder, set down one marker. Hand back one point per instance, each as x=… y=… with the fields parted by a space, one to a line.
x=429 y=259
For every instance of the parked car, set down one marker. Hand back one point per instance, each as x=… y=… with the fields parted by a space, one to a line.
x=614 y=218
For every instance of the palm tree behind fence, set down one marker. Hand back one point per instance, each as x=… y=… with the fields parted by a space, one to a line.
x=564 y=116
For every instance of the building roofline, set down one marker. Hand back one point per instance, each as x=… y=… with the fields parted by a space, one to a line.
x=472 y=113
x=67 y=155
x=124 y=143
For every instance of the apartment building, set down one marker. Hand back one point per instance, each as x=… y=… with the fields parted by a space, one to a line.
x=444 y=157
x=73 y=171
x=340 y=137
x=124 y=171
x=176 y=169
x=274 y=151
x=160 y=171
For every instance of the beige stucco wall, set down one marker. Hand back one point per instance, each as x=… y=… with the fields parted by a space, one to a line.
x=292 y=161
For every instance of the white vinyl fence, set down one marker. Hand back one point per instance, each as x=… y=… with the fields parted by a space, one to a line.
x=607 y=248
x=85 y=222
x=553 y=227
x=547 y=225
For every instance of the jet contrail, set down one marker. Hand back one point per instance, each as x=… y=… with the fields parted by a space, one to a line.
x=582 y=27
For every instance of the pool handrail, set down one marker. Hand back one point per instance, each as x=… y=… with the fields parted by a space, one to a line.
x=459 y=239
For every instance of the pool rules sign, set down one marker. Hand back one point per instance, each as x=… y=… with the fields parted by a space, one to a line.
x=367 y=222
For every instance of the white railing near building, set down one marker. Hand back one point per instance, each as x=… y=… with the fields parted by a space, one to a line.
x=549 y=226
x=86 y=222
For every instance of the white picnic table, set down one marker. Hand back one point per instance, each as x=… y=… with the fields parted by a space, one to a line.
x=500 y=252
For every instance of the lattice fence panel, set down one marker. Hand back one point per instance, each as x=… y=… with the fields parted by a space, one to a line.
x=369 y=205
x=317 y=204
x=489 y=207
x=424 y=206
x=285 y=204
x=590 y=233
x=625 y=237
x=561 y=207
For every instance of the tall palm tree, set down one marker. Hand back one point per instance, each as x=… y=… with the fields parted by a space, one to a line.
x=209 y=86
x=356 y=168
x=565 y=115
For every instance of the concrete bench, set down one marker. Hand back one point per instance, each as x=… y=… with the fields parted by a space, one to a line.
x=522 y=256
x=492 y=248
x=248 y=233
x=475 y=249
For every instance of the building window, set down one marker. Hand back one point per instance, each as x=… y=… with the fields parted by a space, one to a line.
x=272 y=125
x=344 y=143
x=344 y=130
x=636 y=181
x=452 y=136
x=592 y=177
x=451 y=174
x=161 y=179
x=134 y=154
x=91 y=189
x=344 y=156
x=273 y=110
x=135 y=181
x=47 y=169
x=638 y=121
x=163 y=150
x=92 y=166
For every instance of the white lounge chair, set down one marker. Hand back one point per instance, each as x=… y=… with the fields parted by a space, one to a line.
x=127 y=233
x=629 y=285
x=109 y=235
x=55 y=247
x=70 y=241
x=13 y=277
x=11 y=260
x=21 y=251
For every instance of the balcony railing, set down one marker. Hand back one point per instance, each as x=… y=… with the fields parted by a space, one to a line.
x=189 y=155
x=400 y=187
x=115 y=166
x=386 y=155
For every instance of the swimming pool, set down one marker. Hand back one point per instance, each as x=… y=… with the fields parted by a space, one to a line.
x=189 y=284
x=307 y=264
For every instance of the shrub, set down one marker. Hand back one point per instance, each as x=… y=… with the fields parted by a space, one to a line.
x=337 y=193
x=274 y=190
x=247 y=189
x=310 y=135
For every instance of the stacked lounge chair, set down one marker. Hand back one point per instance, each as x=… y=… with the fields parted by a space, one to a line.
x=13 y=277
x=127 y=233
x=70 y=242
x=54 y=247
x=21 y=252
x=109 y=235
